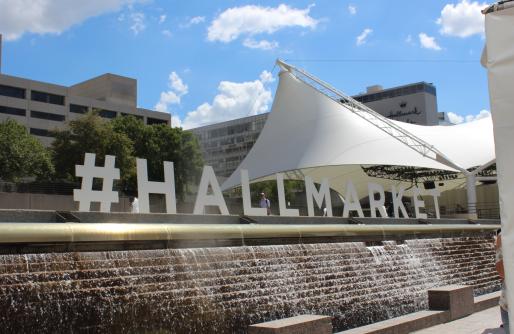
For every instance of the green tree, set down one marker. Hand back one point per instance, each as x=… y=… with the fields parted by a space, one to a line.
x=92 y=134
x=159 y=143
x=22 y=155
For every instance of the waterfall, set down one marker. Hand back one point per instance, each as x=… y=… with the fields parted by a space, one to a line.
x=225 y=289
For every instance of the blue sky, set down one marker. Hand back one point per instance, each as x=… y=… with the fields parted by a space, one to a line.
x=208 y=61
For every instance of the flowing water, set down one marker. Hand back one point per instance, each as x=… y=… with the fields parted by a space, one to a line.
x=223 y=290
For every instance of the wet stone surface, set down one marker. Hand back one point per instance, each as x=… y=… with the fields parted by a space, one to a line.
x=224 y=290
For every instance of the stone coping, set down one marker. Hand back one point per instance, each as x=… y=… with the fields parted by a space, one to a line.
x=46 y=216
x=291 y=321
x=301 y=324
x=420 y=320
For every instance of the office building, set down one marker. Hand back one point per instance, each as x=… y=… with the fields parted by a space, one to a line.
x=224 y=145
x=414 y=103
x=43 y=107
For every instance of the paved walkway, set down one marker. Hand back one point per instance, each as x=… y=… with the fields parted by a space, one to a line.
x=485 y=322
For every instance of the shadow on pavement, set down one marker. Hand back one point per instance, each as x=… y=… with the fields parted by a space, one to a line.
x=493 y=331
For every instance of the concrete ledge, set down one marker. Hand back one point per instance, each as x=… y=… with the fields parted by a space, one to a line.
x=21 y=231
x=302 y=324
x=404 y=324
x=486 y=301
x=36 y=216
x=458 y=299
x=420 y=320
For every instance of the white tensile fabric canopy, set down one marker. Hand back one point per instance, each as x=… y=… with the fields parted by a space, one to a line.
x=311 y=134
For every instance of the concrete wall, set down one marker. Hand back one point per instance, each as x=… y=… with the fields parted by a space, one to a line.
x=51 y=202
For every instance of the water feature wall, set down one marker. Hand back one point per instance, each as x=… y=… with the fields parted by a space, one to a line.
x=223 y=290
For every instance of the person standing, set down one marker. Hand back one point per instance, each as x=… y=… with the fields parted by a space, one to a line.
x=265 y=203
x=134 y=205
x=504 y=307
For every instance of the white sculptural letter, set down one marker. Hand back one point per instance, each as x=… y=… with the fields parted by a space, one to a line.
x=374 y=204
x=397 y=201
x=145 y=187
x=323 y=194
x=435 y=193
x=284 y=211
x=247 y=200
x=204 y=199
x=85 y=195
x=418 y=203
x=351 y=201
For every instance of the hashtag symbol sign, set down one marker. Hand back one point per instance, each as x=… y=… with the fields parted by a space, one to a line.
x=85 y=195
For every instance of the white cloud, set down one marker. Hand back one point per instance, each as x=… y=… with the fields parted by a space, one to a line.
x=455 y=118
x=361 y=39
x=167 y=33
x=409 y=40
x=193 y=21
x=197 y=20
x=458 y=119
x=162 y=19
x=252 y=20
x=234 y=100
x=18 y=17
x=176 y=83
x=463 y=19
x=352 y=9
x=176 y=122
x=262 y=44
x=176 y=89
x=266 y=77
x=428 y=42
x=482 y=114
x=167 y=98
x=138 y=22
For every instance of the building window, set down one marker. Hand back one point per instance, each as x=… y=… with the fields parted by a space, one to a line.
x=430 y=89
x=47 y=116
x=151 y=121
x=12 y=91
x=46 y=97
x=12 y=111
x=78 y=109
x=105 y=113
x=40 y=132
x=139 y=117
x=413 y=89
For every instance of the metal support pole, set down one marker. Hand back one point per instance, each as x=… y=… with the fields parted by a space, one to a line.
x=472 y=195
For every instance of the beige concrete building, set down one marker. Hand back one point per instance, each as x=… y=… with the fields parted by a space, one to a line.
x=42 y=106
x=414 y=103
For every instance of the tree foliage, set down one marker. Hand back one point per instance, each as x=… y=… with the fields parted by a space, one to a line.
x=128 y=138
x=22 y=155
x=91 y=134
x=159 y=143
